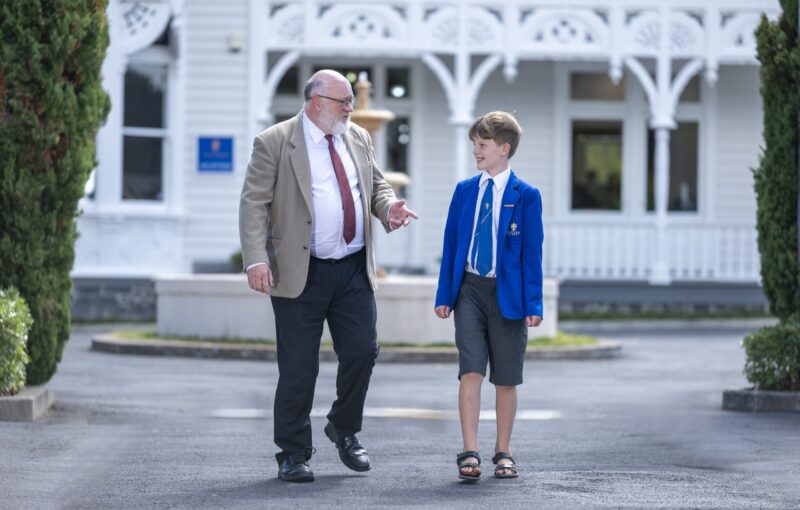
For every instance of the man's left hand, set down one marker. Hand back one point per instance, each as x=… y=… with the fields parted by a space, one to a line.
x=400 y=215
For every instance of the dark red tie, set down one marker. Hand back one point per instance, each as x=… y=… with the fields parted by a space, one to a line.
x=349 y=231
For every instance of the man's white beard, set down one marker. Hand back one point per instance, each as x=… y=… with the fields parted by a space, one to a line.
x=335 y=123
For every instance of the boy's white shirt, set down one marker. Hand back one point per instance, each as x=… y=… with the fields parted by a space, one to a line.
x=500 y=181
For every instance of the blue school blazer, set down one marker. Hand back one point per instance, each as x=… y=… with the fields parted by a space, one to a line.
x=519 y=247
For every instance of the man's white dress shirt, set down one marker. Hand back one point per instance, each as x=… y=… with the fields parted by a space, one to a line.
x=327 y=241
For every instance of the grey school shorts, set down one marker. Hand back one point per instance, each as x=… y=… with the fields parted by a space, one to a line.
x=483 y=334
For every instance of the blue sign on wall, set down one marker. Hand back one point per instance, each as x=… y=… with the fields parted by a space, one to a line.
x=214 y=154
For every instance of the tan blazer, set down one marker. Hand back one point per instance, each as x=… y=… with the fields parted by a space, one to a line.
x=275 y=206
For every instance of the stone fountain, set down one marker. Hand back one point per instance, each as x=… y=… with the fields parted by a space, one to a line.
x=372 y=121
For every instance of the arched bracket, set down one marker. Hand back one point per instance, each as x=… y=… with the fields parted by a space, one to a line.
x=274 y=77
x=663 y=103
x=462 y=96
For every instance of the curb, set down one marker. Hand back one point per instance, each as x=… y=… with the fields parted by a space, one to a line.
x=30 y=404
x=606 y=349
x=592 y=327
x=760 y=401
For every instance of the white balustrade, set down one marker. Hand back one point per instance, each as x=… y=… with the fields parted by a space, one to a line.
x=625 y=250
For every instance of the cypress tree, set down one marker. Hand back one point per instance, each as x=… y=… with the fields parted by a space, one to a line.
x=51 y=105
x=776 y=179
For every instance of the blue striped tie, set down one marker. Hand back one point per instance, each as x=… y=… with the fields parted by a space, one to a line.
x=482 y=241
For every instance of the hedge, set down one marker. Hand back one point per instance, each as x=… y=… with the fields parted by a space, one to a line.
x=773 y=357
x=15 y=322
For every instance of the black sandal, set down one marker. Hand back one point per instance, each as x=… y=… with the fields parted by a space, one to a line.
x=461 y=460
x=500 y=468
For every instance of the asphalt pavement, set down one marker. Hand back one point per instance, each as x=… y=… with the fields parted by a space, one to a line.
x=645 y=430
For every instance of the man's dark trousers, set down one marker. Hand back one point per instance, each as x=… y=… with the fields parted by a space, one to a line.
x=338 y=291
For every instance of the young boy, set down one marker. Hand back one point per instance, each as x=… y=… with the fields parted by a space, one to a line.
x=491 y=276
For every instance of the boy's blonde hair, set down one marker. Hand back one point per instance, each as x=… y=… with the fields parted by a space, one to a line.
x=501 y=127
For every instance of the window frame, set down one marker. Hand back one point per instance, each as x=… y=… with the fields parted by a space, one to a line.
x=171 y=204
x=566 y=111
x=634 y=113
x=152 y=56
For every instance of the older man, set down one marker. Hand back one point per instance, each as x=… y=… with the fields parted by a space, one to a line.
x=306 y=240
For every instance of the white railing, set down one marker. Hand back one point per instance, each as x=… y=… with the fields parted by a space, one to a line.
x=625 y=251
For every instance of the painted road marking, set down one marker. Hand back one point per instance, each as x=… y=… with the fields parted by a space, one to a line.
x=394 y=412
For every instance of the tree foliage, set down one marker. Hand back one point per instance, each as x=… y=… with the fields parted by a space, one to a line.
x=51 y=105
x=776 y=179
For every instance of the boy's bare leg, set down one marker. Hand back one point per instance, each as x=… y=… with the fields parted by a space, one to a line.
x=506 y=408
x=469 y=410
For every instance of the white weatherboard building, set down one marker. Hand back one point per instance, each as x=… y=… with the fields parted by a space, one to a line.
x=641 y=118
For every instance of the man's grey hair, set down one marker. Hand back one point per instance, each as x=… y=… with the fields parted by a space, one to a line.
x=312 y=87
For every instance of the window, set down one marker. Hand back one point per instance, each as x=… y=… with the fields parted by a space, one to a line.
x=144 y=132
x=683 y=154
x=596 y=164
x=290 y=82
x=691 y=93
x=595 y=87
x=398 y=136
x=398 y=83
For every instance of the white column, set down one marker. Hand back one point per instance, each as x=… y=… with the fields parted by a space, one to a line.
x=108 y=191
x=259 y=115
x=662 y=123
x=461 y=132
x=461 y=108
x=660 y=274
x=175 y=203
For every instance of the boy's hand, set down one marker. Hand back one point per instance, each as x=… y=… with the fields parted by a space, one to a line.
x=442 y=312
x=533 y=321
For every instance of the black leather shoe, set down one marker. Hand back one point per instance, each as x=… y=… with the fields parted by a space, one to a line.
x=294 y=468
x=351 y=452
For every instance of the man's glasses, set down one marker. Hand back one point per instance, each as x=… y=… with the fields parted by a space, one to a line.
x=350 y=101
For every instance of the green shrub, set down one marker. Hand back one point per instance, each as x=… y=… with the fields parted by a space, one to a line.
x=236 y=261
x=773 y=357
x=51 y=106
x=15 y=321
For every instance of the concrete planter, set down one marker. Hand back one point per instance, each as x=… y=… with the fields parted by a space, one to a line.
x=760 y=401
x=30 y=404
x=223 y=306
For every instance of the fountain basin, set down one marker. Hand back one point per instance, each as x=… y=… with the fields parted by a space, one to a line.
x=222 y=305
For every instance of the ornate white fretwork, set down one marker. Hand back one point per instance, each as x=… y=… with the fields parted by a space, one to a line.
x=483 y=30
x=575 y=30
x=143 y=23
x=287 y=27
x=738 y=35
x=685 y=35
